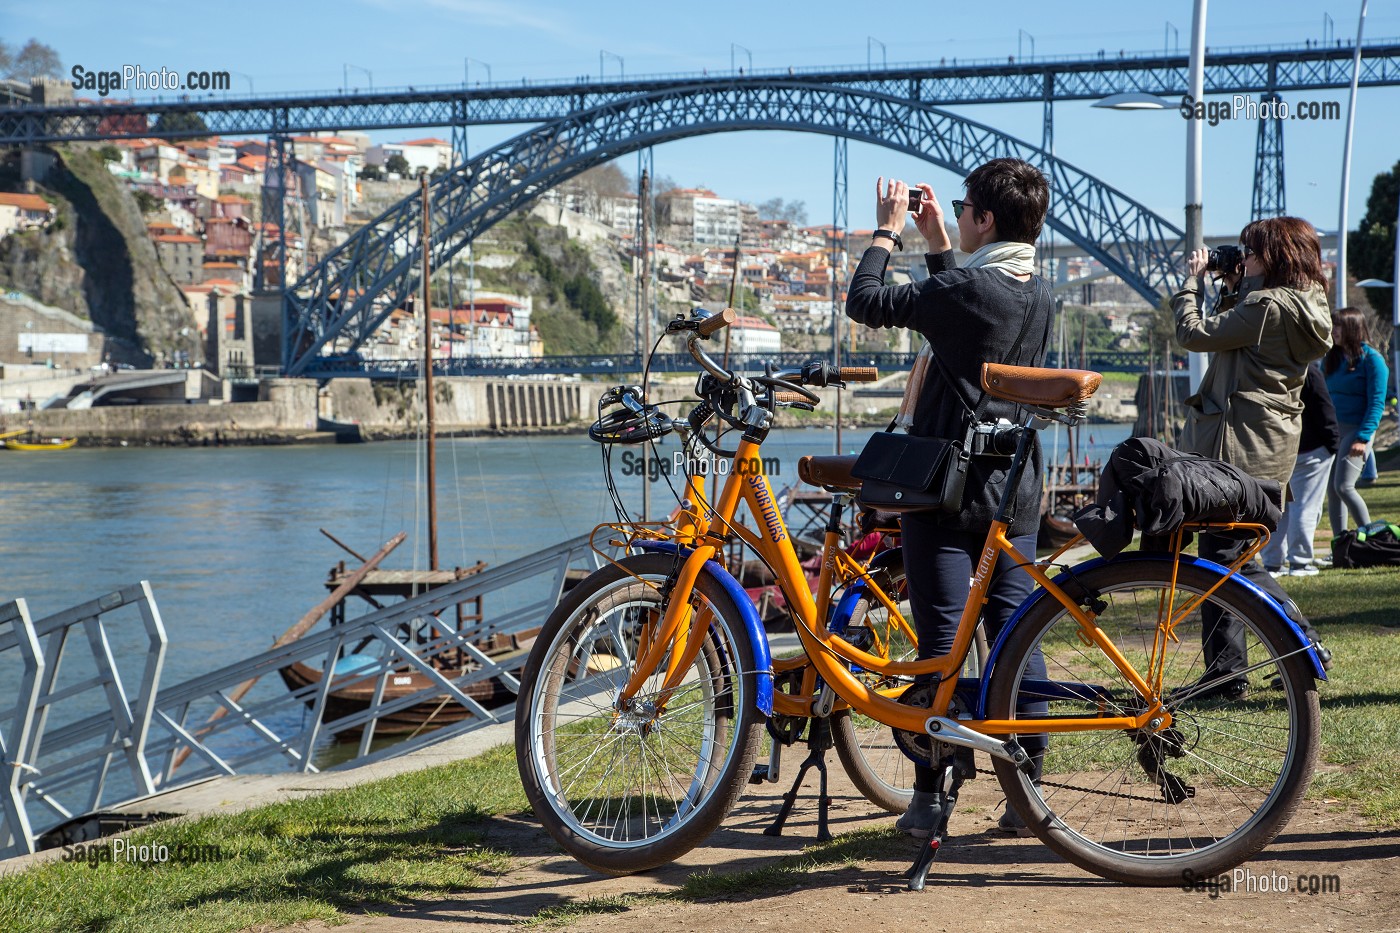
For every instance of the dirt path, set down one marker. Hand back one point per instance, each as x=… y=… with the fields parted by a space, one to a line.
x=982 y=880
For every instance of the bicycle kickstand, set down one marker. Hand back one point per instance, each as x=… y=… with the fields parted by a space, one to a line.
x=819 y=741
x=945 y=799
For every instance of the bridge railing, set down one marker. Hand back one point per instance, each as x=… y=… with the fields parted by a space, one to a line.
x=623 y=364
x=582 y=81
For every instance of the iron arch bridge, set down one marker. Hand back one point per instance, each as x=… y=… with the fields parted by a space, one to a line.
x=340 y=302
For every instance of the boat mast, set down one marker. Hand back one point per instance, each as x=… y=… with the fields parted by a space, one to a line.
x=426 y=242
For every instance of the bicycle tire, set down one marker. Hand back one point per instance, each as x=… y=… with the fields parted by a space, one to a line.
x=625 y=792
x=874 y=762
x=1193 y=801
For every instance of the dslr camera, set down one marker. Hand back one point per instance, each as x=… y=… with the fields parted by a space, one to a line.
x=1225 y=260
x=993 y=438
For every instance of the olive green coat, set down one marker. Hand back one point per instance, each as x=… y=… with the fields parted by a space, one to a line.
x=1247 y=411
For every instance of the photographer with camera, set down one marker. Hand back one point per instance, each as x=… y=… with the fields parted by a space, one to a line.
x=1271 y=322
x=992 y=309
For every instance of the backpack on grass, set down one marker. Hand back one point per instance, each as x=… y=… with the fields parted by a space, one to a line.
x=1373 y=545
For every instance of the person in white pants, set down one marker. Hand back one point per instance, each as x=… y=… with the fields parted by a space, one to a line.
x=1290 y=549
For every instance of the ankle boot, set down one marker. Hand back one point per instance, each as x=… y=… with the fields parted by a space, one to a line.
x=918 y=821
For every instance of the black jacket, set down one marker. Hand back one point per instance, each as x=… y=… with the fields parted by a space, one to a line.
x=1319 y=416
x=970 y=316
x=1150 y=486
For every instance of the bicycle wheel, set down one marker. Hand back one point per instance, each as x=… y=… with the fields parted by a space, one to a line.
x=875 y=764
x=626 y=790
x=1193 y=800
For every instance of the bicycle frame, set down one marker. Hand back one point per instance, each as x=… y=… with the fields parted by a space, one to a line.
x=830 y=655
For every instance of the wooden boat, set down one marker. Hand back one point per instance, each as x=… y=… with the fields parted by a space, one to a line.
x=377 y=586
x=43 y=443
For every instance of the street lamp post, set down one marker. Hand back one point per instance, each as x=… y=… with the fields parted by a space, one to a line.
x=1346 y=166
x=1195 y=234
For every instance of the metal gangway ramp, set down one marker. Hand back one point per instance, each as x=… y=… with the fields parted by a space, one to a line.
x=146 y=739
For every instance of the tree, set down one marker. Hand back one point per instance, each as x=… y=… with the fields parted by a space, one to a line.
x=179 y=124
x=109 y=153
x=371 y=173
x=1371 y=248
x=35 y=60
x=7 y=58
x=778 y=209
x=396 y=164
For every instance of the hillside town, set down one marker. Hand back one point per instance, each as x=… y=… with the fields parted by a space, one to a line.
x=203 y=202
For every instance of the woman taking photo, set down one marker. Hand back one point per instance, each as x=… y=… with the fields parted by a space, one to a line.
x=1356 y=378
x=991 y=309
x=1248 y=409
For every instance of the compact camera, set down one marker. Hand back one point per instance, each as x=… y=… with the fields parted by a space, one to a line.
x=1226 y=260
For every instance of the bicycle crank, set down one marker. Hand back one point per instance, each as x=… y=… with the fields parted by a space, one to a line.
x=950 y=732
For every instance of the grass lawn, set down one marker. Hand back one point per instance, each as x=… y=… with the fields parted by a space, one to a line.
x=419 y=835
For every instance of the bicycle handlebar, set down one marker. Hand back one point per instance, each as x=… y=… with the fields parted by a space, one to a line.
x=717 y=322
x=859 y=374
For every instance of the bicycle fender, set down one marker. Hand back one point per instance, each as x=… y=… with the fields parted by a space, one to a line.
x=1065 y=578
x=758 y=637
x=846 y=605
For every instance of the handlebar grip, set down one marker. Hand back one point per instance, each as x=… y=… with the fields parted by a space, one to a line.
x=781 y=396
x=717 y=322
x=859 y=374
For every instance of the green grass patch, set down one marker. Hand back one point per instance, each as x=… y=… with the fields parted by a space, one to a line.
x=404 y=838
x=1357 y=613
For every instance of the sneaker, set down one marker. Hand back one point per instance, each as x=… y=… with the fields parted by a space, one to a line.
x=1323 y=561
x=1276 y=572
x=919 y=819
x=1011 y=822
x=1307 y=570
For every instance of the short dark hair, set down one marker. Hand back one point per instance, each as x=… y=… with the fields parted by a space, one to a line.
x=1015 y=192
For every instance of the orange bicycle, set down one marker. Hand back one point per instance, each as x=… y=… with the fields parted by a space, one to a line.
x=643 y=701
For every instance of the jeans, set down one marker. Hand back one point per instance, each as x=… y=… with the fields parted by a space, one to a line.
x=1342 y=496
x=938 y=564
x=1293 y=542
x=1223 y=636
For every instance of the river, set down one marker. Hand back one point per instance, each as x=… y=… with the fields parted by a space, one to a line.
x=228 y=537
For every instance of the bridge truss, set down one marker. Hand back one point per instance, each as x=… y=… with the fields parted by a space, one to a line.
x=340 y=303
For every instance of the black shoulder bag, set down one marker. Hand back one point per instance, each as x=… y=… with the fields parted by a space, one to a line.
x=905 y=473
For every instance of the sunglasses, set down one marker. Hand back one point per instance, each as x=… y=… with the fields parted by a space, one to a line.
x=958 y=208
x=1246 y=252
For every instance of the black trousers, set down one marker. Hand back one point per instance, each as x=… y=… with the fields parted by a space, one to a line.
x=1222 y=635
x=938 y=565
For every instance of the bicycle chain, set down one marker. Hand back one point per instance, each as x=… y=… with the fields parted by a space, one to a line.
x=1085 y=790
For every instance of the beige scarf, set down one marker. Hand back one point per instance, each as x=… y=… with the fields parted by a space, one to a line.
x=1010 y=258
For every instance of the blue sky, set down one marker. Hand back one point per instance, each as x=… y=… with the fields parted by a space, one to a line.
x=298 y=46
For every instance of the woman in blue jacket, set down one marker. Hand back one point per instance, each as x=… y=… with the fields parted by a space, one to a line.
x=1356 y=380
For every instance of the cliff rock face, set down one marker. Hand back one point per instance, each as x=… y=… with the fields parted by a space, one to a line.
x=98 y=262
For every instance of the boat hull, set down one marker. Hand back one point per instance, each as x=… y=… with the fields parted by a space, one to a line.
x=432 y=713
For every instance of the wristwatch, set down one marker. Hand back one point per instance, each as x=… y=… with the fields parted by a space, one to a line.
x=891 y=235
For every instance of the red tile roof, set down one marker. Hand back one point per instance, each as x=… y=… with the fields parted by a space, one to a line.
x=25 y=202
x=177 y=238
